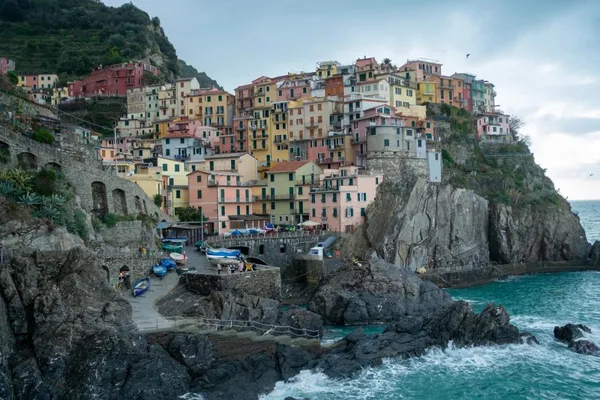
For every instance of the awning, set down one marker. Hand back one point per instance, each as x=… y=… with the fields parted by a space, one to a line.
x=162 y=225
x=310 y=223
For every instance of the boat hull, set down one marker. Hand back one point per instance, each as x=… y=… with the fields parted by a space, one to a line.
x=141 y=287
x=159 y=270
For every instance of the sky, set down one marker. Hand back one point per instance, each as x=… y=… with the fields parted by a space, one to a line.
x=543 y=57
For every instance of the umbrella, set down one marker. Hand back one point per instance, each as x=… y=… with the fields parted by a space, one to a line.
x=310 y=223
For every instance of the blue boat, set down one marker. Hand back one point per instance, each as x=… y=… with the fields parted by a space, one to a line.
x=159 y=270
x=141 y=286
x=168 y=263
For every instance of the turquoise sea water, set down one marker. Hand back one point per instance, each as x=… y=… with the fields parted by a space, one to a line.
x=545 y=371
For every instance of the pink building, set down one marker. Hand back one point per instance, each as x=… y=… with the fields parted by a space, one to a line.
x=6 y=65
x=123 y=146
x=224 y=199
x=293 y=87
x=341 y=201
x=114 y=80
x=493 y=127
x=378 y=115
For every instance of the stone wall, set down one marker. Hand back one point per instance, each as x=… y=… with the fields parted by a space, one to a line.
x=82 y=172
x=394 y=168
x=25 y=107
x=276 y=251
x=262 y=283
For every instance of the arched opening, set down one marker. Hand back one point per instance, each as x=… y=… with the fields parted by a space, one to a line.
x=99 y=199
x=261 y=249
x=119 y=202
x=244 y=249
x=256 y=260
x=4 y=153
x=146 y=208
x=27 y=160
x=54 y=166
x=138 y=204
x=282 y=248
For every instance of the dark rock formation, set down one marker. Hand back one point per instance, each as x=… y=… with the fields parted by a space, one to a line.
x=412 y=336
x=375 y=292
x=594 y=255
x=570 y=332
x=585 y=347
x=301 y=319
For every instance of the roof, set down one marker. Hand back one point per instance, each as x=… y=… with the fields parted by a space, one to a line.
x=247 y=217
x=361 y=62
x=224 y=155
x=287 y=166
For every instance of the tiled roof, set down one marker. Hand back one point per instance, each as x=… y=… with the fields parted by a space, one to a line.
x=287 y=166
x=224 y=155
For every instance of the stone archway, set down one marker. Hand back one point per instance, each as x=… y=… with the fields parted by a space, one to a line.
x=119 y=202
x=27 y=160
x=138 y=204
x=54 y=166
x=99 y=199
x=4 y=153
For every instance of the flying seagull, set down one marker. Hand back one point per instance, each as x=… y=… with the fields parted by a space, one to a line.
x=468 y=55
x=591 y=175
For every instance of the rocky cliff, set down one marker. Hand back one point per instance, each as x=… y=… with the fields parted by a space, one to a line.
x=493 y=204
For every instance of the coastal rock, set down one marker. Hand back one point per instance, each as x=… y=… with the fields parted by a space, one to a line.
x=594 y=255
x=301 y=319
x=585 y=347
x=413 y=223
x=570 y=332
x=412 y=336
x=193 y=351
x=531 y=233
x=376 y=291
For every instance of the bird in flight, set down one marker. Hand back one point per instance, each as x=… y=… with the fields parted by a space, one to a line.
x=468 y=55
x=591 y=175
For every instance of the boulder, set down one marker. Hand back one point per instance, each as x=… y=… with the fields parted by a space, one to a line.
x=301 y=319
x=570 y=332
x=374 y=292
x=594 y=254
x=585 y=347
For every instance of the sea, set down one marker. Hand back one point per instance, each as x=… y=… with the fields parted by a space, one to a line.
x=536 y=303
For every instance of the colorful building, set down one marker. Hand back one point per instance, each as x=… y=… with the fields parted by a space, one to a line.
x=326 y=69
x=114 y=80
x=38 y=81
x=427 y=92
x=243 y=164
x=183 y=88
x=167 y=102
x=403 y=92
x=489 y=97
x=185 y=147
x=6 y=65
x=288 y=188
x=224 y=199
x=421 y=69
x=494 y=127
x=175 y=184
x=477 y=95
x=341 y=200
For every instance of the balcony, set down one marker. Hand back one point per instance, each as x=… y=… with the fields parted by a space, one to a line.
x=311 y=124
x=323 y=160
x=280 y=140
x=306 y=182
x=240 y=128
x=259 y=93
x=321 y=189
x=236 y=200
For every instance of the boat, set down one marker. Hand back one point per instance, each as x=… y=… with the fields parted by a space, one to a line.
x=159 y=270
x=178 y=258
x=172 y=248
x=141 y=286
x=219 y=256
x=169 y=263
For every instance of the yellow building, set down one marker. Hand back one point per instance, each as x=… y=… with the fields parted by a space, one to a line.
x=259 y=128
x=213 y=107
x=260 y=198
x=403 y=92
x=149 y=179
x=427 y=92
x=175 y=184
x=58 y=94
x=279 y=139
x=161 y=128
x=288 y=190
x=326 y=69
x=243 y=164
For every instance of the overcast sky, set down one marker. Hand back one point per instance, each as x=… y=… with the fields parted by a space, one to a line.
x=543 y=57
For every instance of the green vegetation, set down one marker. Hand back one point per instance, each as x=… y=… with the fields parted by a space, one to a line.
x=4 y=156
x=101 y=112
x=42 y=135
x=80 y=225
x=71 y=37
x=12 y=77
x=189 y=214
x=187 y=71
x=157 y=200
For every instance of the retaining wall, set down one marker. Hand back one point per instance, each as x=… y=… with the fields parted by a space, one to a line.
x=263 y=283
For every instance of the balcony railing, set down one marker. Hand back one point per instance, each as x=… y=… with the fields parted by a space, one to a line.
x=269 y=197
x=240 y=128
x=312 y=124
x=235 y=200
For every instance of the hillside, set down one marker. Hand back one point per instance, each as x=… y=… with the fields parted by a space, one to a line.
x=187 y=71
x=71 y=37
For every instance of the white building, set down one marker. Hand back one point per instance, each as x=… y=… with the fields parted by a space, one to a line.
x=184 y=87
x=185 y=147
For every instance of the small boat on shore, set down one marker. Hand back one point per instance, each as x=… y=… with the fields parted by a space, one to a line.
x=178 y=258
x=159 y=270
x=140 y=287
x=168 y=263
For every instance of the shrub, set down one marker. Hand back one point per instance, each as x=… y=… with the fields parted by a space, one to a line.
x=157 y=200
x=29 y=199
x=4 y=156
x=96 y=223
x=80 y=225
x=45 y=182
x=110 y=220
x=42 y=135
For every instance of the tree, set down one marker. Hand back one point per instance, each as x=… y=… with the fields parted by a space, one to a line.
x=11 y=12
x=157 y=200
x=12 y=77
x=515 y=123
x=189 y=214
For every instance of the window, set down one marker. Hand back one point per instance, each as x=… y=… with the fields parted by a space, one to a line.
x=223 y=225
x=176 y=167
x=312 y=198
x=348 y=197
x=211 y=166
x=198 y=177
x=167 y=141
x=171 y=182
x=335 y=214
x=437 y=156
x=168 y=153
x=291 y=176
x=272 y=205
x=238 y=211
x=222 y=210
x=386 y=142
x=247 y=210
x=220 y=98
x=291 y=205
x=165 y=167
x=272 y=177
x=232 y=164
x=361 y=196
x=177 y=194
x=299 y=190
x=314 y=212
x=363 y=212
x=323 y=197
x=377 y=181
x=199 y=194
